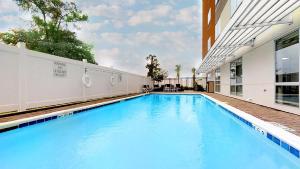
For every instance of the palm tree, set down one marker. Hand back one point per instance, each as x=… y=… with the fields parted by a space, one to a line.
x=194 y=76
x=178 y=69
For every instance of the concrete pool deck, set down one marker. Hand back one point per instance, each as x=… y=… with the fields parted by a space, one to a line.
x=33 y=113
x=287 y=121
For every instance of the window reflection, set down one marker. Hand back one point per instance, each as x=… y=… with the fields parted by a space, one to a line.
x=287 y=69
x=218 y=80
x=236 y=77
x=288 y=95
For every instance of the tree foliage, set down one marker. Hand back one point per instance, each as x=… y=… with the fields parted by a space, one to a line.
x=160 y=75
x=194 y=76
x=49 y=32
x=178 y=70
x=154 y=71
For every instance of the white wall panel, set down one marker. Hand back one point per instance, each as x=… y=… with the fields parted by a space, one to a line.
x=28 y=80
x=225 y=79
x=9 y=78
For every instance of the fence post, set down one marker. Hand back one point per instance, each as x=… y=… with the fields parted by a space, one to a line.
x=84 y=61
x=22 y=88
x=127 y=92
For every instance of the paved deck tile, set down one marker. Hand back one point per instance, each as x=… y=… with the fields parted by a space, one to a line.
x=50 y=110
x=289 y=120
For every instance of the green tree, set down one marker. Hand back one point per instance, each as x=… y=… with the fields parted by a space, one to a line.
x=152 y=65
x=178 y=70
x=49 y=32
x=160 y=75
x=154 y=71
x=194 y=77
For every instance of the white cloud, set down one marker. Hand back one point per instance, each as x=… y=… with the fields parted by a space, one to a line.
x=107 y=57
x=129 y=2
x=104 y=10
x=112 y=13
x=108 y=52
x=113 y=38
x=90 y=26
x=172 y=35
x=118 y=23
x=146 y=16
x=148 y=38
x=9 y=18
x=128 y=51
x=124 y=3
x=188 y=15
x=11 y=21
x=178 y=41
x=8 y=6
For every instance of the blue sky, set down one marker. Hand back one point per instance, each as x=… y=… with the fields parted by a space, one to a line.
x=124 y=32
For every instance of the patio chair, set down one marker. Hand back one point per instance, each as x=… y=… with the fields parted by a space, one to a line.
x=149 y=88
x=172 y=88
x=146 y=88
x=156 y=88
x=167 y=88
x=178 y=87
x=161 y=89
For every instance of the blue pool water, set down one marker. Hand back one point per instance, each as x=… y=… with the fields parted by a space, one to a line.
x=149 y=132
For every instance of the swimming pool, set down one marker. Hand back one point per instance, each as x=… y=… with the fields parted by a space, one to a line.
x=148 y=132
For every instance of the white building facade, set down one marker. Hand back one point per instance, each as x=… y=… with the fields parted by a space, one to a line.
x=256 y=53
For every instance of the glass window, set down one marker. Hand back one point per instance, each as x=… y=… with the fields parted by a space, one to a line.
x=209 y=16
x=209 y=43
x=287 y=69
x=239 y=90
x=239 y=72
x=287 y=58
x=232 y=89
x=217 y=29
x=236 y=77
x=288 y=95
x=218 y=80
x=209 y=77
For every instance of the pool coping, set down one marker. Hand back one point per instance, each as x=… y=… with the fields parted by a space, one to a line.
x=11 y=125
x=279 y=136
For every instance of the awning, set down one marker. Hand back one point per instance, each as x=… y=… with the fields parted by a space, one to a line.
x=252 y=18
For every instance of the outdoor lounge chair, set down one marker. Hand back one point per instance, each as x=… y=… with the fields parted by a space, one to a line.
x=161 y=89
x=156 y=88
x=178 y=87
x=172 y=88
x=167 y=88
x=146 y=89
x=149 y=88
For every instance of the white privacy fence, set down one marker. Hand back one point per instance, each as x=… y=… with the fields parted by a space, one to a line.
x=32 y=79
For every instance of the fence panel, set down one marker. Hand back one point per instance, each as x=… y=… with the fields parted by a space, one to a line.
x=32 y=79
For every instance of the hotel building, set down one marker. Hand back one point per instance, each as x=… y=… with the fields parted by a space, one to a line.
x=251 y=49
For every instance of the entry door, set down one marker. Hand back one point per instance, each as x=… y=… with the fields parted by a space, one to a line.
x=210 y=87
